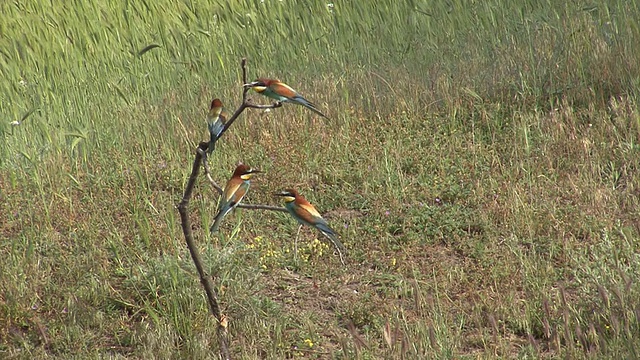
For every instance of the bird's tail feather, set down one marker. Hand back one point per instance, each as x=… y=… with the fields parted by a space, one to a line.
x=215 y=129
x=309 y=105
x=333 y=237
x=317 y=112
x=216 y=222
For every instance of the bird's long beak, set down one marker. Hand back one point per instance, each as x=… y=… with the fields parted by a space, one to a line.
x=282 y=193
x=251 y=84
x=247 y=175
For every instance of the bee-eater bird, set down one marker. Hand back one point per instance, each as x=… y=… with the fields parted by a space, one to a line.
x=235 y=189
x=280 y=91
x=306 y=214
x=216 y=119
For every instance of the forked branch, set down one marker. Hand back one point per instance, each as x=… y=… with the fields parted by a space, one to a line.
x=246 y=103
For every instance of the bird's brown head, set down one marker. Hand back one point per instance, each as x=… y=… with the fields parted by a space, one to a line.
x=288 y=195
x=216 y=103
x=216 y=108
x=245 y=172
x=261 y=84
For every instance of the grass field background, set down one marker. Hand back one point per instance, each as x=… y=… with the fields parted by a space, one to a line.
x=481 y=164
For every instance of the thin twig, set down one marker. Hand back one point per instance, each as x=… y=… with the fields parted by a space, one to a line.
x=246 y=103
x=262 y=207
x=207 y=171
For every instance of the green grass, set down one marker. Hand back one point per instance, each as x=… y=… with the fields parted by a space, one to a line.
x=481 y=164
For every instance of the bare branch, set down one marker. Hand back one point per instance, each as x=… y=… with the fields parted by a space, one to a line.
x=262 y=207
x=195 y=256
x=276 y=104
x=207 y=171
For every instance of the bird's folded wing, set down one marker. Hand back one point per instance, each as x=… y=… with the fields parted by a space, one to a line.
x=310 y=210
x=284 y=90
x=231 y=190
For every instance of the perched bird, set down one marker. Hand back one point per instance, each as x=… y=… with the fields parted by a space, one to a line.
x=280 y=91
x=306 y=214
x=235 y=189
x=216 y=119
